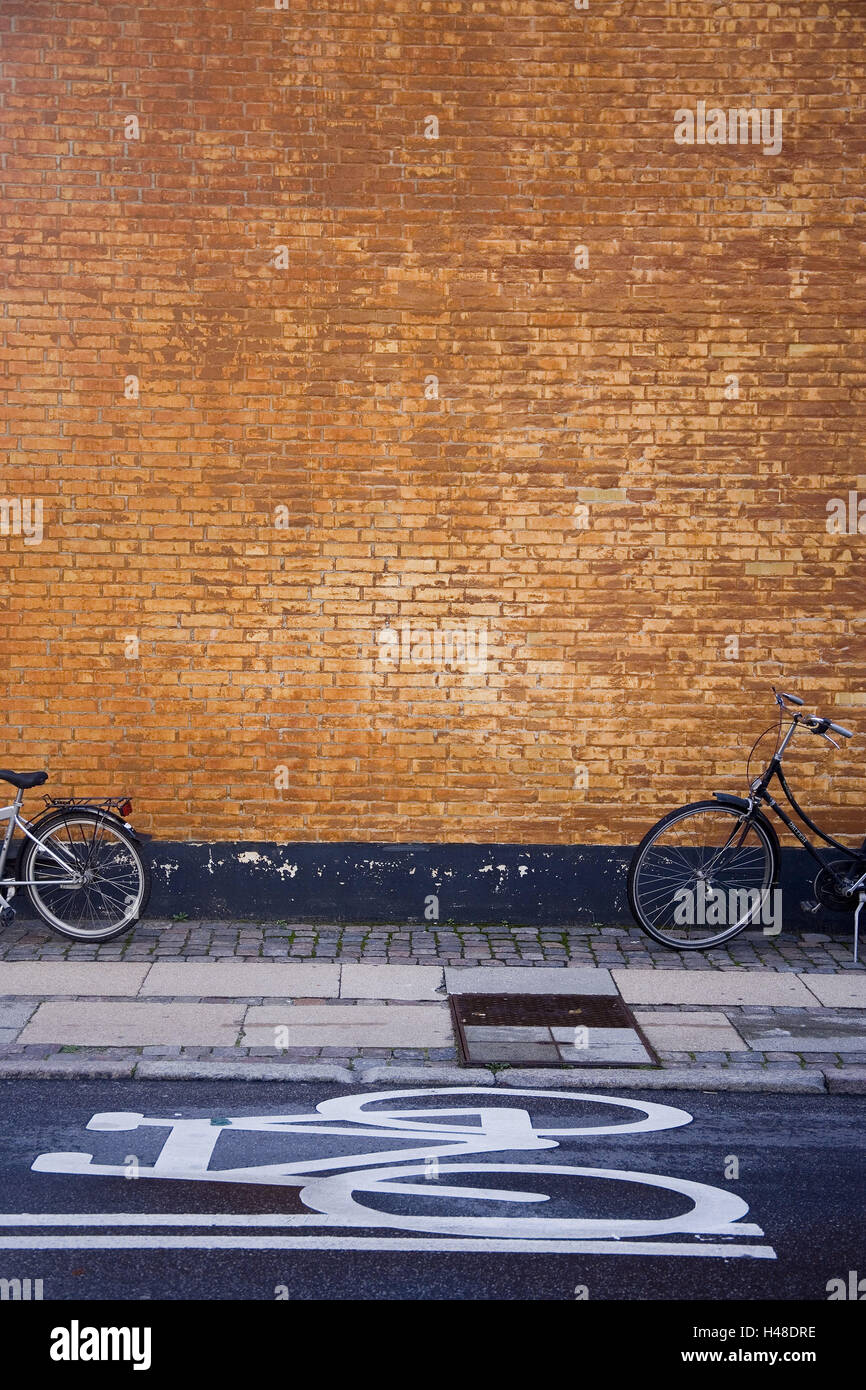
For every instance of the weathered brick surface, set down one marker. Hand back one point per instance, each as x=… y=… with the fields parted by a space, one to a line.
x=586 y=485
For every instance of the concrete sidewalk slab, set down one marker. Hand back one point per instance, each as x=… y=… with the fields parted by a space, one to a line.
x=352 y=1025
x=690 y=1032
x=506 y=1033
x=242 y=979
x=846 y=991
x=12 y=1019
x=391 y=982
x=485 y=1053
x=40 y=978
x=774 y=988
x=16 y=1015
x=131 y=1024
x=516 y=979
x=789 y=1031
x=605 y=1047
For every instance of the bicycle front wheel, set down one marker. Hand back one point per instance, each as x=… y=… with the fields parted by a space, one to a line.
x=112 y=885
x=702 y=875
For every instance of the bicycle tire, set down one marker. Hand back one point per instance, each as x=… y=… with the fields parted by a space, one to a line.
x=769 y=874
x=82 y=818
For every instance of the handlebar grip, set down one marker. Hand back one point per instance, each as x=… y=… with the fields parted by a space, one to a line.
x=819 y=724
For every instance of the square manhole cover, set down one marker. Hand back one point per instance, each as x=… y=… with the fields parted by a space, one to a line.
x=552 y=1030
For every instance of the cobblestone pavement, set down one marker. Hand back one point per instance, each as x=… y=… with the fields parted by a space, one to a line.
x=597 y=945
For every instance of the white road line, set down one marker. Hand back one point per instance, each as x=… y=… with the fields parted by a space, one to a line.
x=513 y=1247
x=138 y=1218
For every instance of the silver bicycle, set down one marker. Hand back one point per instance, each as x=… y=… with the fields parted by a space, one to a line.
x=79 y=862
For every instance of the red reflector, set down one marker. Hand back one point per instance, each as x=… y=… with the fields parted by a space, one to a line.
x=125 y=807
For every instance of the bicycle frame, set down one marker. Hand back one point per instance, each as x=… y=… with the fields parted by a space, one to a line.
x=760 y=795
x=11 y=814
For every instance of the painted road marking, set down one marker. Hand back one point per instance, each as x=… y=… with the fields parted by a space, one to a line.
x=335 y=1186
x=397 y=1243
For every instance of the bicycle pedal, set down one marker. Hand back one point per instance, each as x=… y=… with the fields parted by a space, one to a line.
x=7 y=915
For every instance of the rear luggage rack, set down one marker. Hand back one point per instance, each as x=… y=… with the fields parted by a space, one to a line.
x=103 y=803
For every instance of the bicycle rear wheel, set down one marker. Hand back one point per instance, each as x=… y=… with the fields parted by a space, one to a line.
x=115 y=882
x=701 y=875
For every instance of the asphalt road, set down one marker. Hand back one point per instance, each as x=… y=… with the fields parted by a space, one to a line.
x=779 y=1213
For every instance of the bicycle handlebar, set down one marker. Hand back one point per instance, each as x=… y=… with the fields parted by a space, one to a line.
x=781 y=695
x=819 y=725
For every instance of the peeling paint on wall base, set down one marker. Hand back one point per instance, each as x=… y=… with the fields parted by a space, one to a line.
x=419 y=884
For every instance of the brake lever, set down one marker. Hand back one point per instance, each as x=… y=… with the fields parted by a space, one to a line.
x=831 y=740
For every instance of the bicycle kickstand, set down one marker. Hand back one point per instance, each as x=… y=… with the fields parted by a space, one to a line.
x=857 y=922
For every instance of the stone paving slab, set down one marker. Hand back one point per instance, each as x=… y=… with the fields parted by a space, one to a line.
x=15 y=1015
x=711 y=987
x=846 y=991
x=604 y=1047
x=553 y=1044
x=596 y=1037
x=701 y=1018
x=391 y=982
x=627 y=1049
x=688 y=1038
x=242 y=979
x=515 y=979
x=690 y=1032
x=507 y=1033
x=515 y=1052
x=41 y=978
x=356 y=1025
x=795 y=1032
x=131 y=1024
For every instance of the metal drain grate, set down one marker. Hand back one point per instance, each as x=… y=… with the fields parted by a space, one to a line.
x=538 y=1029
x=545 y=1010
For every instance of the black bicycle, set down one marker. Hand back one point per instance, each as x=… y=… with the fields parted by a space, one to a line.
x=711 y=869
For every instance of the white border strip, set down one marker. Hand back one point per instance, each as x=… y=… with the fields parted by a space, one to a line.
x=396 y=1244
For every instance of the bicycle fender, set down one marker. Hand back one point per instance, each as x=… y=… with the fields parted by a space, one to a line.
x=52 y=813
x=727 y=799
x=731 y=800
x=124 y=825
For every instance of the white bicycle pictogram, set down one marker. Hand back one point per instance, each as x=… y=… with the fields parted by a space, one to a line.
x=351 y=1190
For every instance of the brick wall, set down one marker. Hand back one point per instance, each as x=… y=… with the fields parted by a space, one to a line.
x=303 y=383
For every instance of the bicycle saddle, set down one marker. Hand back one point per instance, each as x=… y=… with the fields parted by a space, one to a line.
x=23 y=780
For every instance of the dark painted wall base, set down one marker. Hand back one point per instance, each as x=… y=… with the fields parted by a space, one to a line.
x=535 y=885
